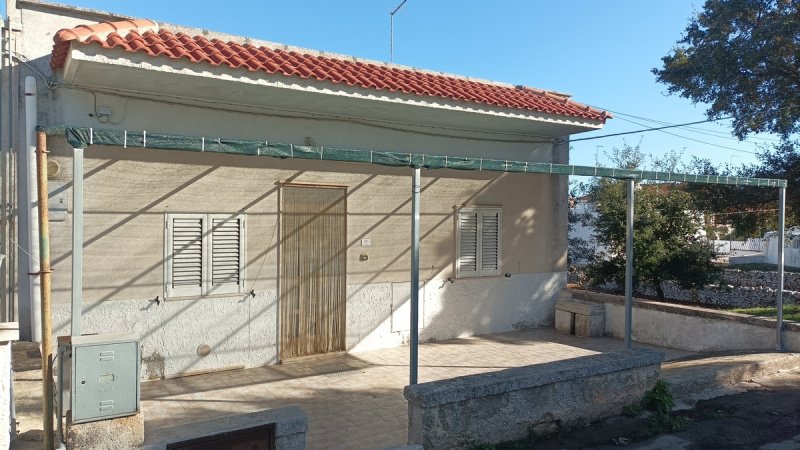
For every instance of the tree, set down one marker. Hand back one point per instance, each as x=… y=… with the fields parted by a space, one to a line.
x=743 y=58
x=665 y=243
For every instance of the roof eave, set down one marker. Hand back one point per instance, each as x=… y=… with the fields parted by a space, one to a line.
x=115 y=58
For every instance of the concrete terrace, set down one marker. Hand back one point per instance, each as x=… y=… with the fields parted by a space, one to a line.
x=353 y=401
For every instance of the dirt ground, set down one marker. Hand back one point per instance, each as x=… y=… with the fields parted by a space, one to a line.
x=766 y=416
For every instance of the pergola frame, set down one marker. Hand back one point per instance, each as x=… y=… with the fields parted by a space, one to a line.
x=81 y=138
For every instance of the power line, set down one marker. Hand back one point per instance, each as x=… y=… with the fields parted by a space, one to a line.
x=650 y=129
x=714 y=133
x=695 y=140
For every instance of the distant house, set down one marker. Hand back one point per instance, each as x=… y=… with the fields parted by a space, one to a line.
x=217 y=255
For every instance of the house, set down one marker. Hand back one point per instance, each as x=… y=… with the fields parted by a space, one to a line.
x=216 y=254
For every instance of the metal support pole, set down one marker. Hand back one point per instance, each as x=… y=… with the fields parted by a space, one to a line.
x=414 y=363
x=13 y=289
x=781 y=231
x=629 y=265
x=5 y=298
x=391 y=30
x=77 y=241
x=44 y=265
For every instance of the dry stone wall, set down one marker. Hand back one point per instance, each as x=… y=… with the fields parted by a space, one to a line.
x=738 y=289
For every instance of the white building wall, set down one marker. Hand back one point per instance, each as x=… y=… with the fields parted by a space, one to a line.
x=129 y=191
x=5 y=394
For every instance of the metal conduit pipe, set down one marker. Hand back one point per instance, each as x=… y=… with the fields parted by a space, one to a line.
x=77 y=241
x=29 y=207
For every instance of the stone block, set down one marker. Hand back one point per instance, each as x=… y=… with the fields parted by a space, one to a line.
x=579 y=317
x=590 y=326
x=564 y=321
x=121 y=433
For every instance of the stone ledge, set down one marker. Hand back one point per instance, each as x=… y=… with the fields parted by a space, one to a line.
x=686 y=310
x=577 y=306
x=288 y=421
x=496 y=383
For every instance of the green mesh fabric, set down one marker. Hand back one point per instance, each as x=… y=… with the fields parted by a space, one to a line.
x=81 y=137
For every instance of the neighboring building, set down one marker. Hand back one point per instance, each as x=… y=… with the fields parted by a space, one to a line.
x=220 y=260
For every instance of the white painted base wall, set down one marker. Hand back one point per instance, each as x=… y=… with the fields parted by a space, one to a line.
x=5 y=394
x=242 y=331
x=697 y=334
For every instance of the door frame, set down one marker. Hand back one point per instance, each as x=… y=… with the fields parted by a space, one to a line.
x=279 y=254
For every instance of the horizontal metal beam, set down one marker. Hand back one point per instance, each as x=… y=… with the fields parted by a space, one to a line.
x=81 y=137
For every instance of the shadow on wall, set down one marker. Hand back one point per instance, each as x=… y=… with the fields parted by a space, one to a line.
x=464 y=307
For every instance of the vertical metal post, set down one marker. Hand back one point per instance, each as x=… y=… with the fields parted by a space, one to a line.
x=391 y=30
x=5 y=298
x=44 y=274
x=414 y=363
x=629 y=265
x=781 y=231
x=12 y=259
x=77 y=241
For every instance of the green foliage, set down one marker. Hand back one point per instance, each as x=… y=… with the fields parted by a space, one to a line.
x=790 y=312
x=665 y=245
x=659 y=399
x=742 y=57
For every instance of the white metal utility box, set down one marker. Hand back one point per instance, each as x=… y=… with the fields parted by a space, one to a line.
x=102 y=375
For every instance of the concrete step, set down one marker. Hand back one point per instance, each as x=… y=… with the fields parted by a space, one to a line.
x=707 y=376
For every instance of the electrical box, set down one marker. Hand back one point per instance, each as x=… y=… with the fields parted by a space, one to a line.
x=104 y=377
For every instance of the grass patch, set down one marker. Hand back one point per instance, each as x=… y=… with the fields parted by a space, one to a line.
x=762 y=267
x=790 y=312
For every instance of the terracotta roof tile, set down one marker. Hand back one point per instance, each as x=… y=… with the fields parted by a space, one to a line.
x=144 y=36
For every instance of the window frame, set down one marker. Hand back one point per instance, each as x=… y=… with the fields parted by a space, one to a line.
x=480 y=211
x=206 y=287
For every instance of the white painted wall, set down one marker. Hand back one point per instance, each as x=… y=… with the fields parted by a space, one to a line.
x=128 y=192
x=5 y=394
x=791 y=254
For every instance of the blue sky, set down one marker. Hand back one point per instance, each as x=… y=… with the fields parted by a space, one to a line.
x=600 y=52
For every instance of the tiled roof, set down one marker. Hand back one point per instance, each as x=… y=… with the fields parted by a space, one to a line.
x=144 y=36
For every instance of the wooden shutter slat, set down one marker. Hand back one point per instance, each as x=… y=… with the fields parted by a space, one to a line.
x=226 y=254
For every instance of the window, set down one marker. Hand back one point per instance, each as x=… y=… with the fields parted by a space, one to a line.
x=204 y=254
x=478 y=241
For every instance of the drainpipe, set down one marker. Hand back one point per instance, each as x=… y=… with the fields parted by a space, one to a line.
x=629 y=265
x=30 y=208
x=414 y=356
x=781 y=231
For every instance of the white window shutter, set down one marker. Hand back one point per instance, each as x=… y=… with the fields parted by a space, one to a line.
x=479 y=242
x=467 y=261
x=185 y=258
x=227 y=259
x=490 y=243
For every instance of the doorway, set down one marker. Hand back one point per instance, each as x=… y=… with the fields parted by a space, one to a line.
x=313 y=269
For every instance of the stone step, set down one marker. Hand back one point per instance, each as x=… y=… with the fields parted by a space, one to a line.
x=708 y=376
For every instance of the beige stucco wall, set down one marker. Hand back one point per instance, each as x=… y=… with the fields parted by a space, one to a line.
x=127 y=193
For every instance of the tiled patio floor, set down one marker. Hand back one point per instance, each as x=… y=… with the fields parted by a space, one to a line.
x=356 y=401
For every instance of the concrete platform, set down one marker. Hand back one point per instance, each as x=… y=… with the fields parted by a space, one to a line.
x=356 y=401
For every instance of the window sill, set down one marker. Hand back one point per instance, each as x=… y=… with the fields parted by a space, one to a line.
x=206 y=297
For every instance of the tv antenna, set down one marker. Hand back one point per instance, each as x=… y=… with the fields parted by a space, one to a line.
x=391 y=30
